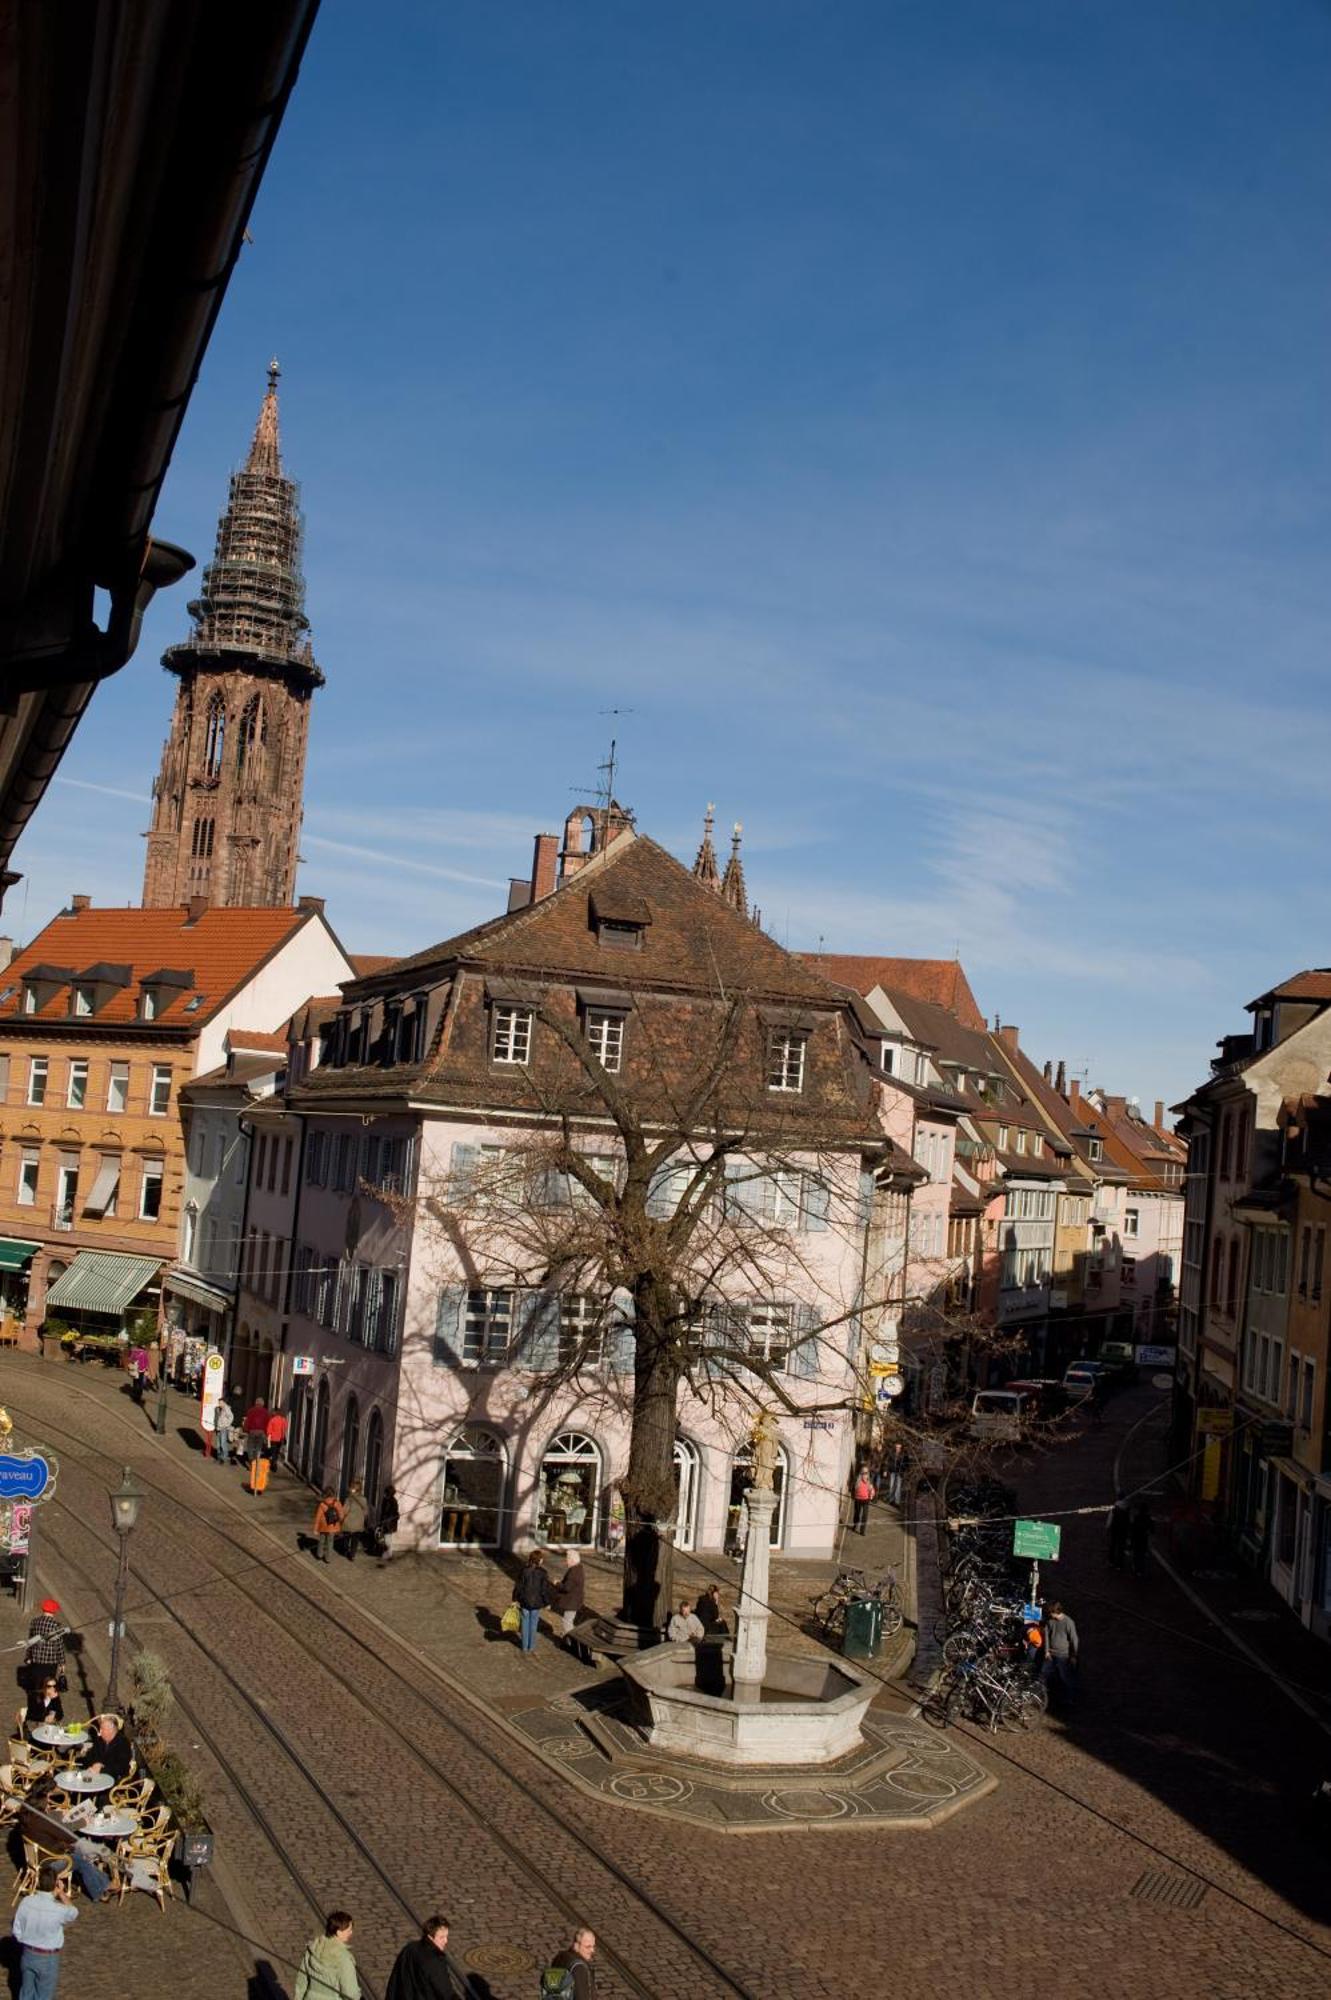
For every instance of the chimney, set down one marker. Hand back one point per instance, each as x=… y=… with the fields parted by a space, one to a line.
x=194 y=909
x=1048 y=1072
x=77 y=903
x=313 y=904
x=1074 y=1094
x=1061 y=1078
x=1010 y=1037
x=1159 y=1120
x=544 y=866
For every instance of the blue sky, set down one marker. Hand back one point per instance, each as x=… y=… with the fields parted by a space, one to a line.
x=915 y=414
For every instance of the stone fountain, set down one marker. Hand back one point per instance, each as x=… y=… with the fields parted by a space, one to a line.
x=759 y=1708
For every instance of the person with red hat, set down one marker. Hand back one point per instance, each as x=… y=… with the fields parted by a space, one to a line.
x=44 y=1654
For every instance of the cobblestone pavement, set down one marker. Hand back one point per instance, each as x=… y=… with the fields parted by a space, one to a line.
x=1177 y=1758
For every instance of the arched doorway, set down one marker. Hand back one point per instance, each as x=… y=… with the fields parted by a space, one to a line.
x=569 y=1498
x=319 y=1442
x=475 y=1467
x=741 y=1479
x=686 y=1485
x=350 y=1443
x=374 y=1461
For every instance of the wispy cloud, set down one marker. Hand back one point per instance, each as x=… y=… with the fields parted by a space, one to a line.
x=403 y=861
x=107 y=791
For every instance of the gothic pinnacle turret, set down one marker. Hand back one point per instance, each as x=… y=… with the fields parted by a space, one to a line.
x=704 y=866
x=227 y=800
x=732 y=882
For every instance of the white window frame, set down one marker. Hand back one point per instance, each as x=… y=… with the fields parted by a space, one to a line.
x=30 y=999
x=583 y=1321
x=148 y=1004
x=78 y=1073
x=511 y=1035
x=118 y=1075
x=605 y=1038
x=488 y=1325
x=29 y=1173
x=159 y=1097
x=1132 y=1222
x=766 y=1329
x=39 y=1076
x=153 y=1176
x=785 y=1060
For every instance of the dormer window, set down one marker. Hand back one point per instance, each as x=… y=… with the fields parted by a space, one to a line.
x=83 y=1000
x=785 y=1059
x=30 y=999
x=1019 y=1140
x=619 y=918
x=1095 y=1150
x=511 y=1039
x=148 y=1004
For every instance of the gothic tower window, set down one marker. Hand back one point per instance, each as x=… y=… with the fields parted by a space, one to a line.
x=201 y=841
x=215 y=740
x=252 y=736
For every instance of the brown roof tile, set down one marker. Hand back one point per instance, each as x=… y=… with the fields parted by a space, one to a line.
x=220 y=949
x=940 y=981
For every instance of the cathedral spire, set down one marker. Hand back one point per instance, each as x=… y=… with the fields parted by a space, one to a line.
x=266 y=448
x=227 y=799
x=704 y=866
x=732 y=882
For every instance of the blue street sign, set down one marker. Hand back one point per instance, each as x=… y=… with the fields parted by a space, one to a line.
x=1031 y=1614
x=25 y=1475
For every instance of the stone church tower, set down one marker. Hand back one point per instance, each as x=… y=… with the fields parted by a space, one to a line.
x=227 y=800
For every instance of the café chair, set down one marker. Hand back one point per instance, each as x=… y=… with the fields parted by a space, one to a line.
x=149 y=1868
x=151 y=1828
x=35 y=1857
x=133 y=1793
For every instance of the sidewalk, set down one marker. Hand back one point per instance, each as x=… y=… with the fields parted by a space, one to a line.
x=1242 y=1605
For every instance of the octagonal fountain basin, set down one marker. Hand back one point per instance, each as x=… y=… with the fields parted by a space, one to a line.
x=806 y=1711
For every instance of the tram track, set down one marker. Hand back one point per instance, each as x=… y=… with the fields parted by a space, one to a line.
x=269 y=1579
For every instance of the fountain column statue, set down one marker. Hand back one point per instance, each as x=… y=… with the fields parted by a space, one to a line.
x=750 y=1668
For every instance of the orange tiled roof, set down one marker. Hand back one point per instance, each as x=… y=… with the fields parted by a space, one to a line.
x=256 y=1039
x=220 y=949
x=940 y=981
x=366 y=963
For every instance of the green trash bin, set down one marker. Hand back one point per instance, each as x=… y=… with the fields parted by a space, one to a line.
x=863 y=1639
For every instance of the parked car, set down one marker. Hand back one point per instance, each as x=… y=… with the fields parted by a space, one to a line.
x=1081 y=1377
x=1042 y=1397
x=1120 y=1357
x=996 y=1416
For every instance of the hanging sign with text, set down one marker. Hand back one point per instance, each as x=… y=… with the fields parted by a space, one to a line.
x=1037 y=1540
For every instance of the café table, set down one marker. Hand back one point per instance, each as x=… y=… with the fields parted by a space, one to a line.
x=60 y=1736
x=85 y=1781
x=112 y=1825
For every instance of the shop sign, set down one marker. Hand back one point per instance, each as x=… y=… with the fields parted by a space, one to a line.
x=26 y=1475
x=1214 y=1423
x=302 y=1364
x=1155 y=1357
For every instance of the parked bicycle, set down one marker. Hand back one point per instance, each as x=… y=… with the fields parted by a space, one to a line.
x=853 y=1586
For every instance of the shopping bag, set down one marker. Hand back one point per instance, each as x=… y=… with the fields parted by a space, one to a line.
x=511 y=1620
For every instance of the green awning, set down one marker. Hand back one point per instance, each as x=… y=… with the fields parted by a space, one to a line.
x=14 y=1255
x=185 y=1285
x=101 y=1281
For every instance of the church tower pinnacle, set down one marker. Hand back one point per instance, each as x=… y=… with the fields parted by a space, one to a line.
x=227 y=799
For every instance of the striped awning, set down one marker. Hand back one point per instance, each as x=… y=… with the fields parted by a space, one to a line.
x=102 y=1281
x=14 y=1255
x=186 y=1285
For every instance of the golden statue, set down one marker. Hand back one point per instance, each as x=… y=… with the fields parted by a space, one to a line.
x=764 y=1437
x=6 y=1427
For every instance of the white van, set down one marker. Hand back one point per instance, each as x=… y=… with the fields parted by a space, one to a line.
x=996 y=1416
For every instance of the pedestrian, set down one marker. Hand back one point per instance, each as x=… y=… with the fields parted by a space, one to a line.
x=44 y=1654
x=40 y=1923
x=138 y=1374
x=223 y=1417
x=327 y=1968
x=569 y=1596
x=327 y=1521
x=685 y=1627
x=352 y=1537
x=863 y=1492
x=1118 y=1532
x=254 y=1428
x=423 y=1969
x=385 y=1524
x=274 y=1437
x=572 y=1976
x=710 y=1677
x=1061 y=1649
x=708 y=1609
x=1140 y=1529
x=531 y=1594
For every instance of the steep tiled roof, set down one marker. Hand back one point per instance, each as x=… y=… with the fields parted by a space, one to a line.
x=940 y=981
x=253 y=1038
x=220 y=949
x=1314 y=984
x=366 y=963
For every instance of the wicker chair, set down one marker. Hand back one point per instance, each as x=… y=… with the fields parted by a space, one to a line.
x=133 y=1794
x=35 y=1856
x=152 y=1828
x=146 y=1867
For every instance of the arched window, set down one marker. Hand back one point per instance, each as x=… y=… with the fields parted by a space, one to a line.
x=350 y=1443
x=686 y=1485
x=741 y=1479
x=319 y=1442
x=214 y=743
x=374 y=1461
x=569 y=1502
x=471 y=1510
x=251 y=735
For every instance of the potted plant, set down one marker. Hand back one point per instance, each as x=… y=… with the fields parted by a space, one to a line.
x=181 y=1791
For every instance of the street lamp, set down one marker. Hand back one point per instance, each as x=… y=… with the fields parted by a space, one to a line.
x=125 y=1504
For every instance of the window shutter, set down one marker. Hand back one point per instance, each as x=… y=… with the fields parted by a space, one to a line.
x=815 y=1202
x=866 y=1196
x=745 y=1189
x=621 y=1346
x=804 y=1356
x=538 y=1331
x=448 y=1326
